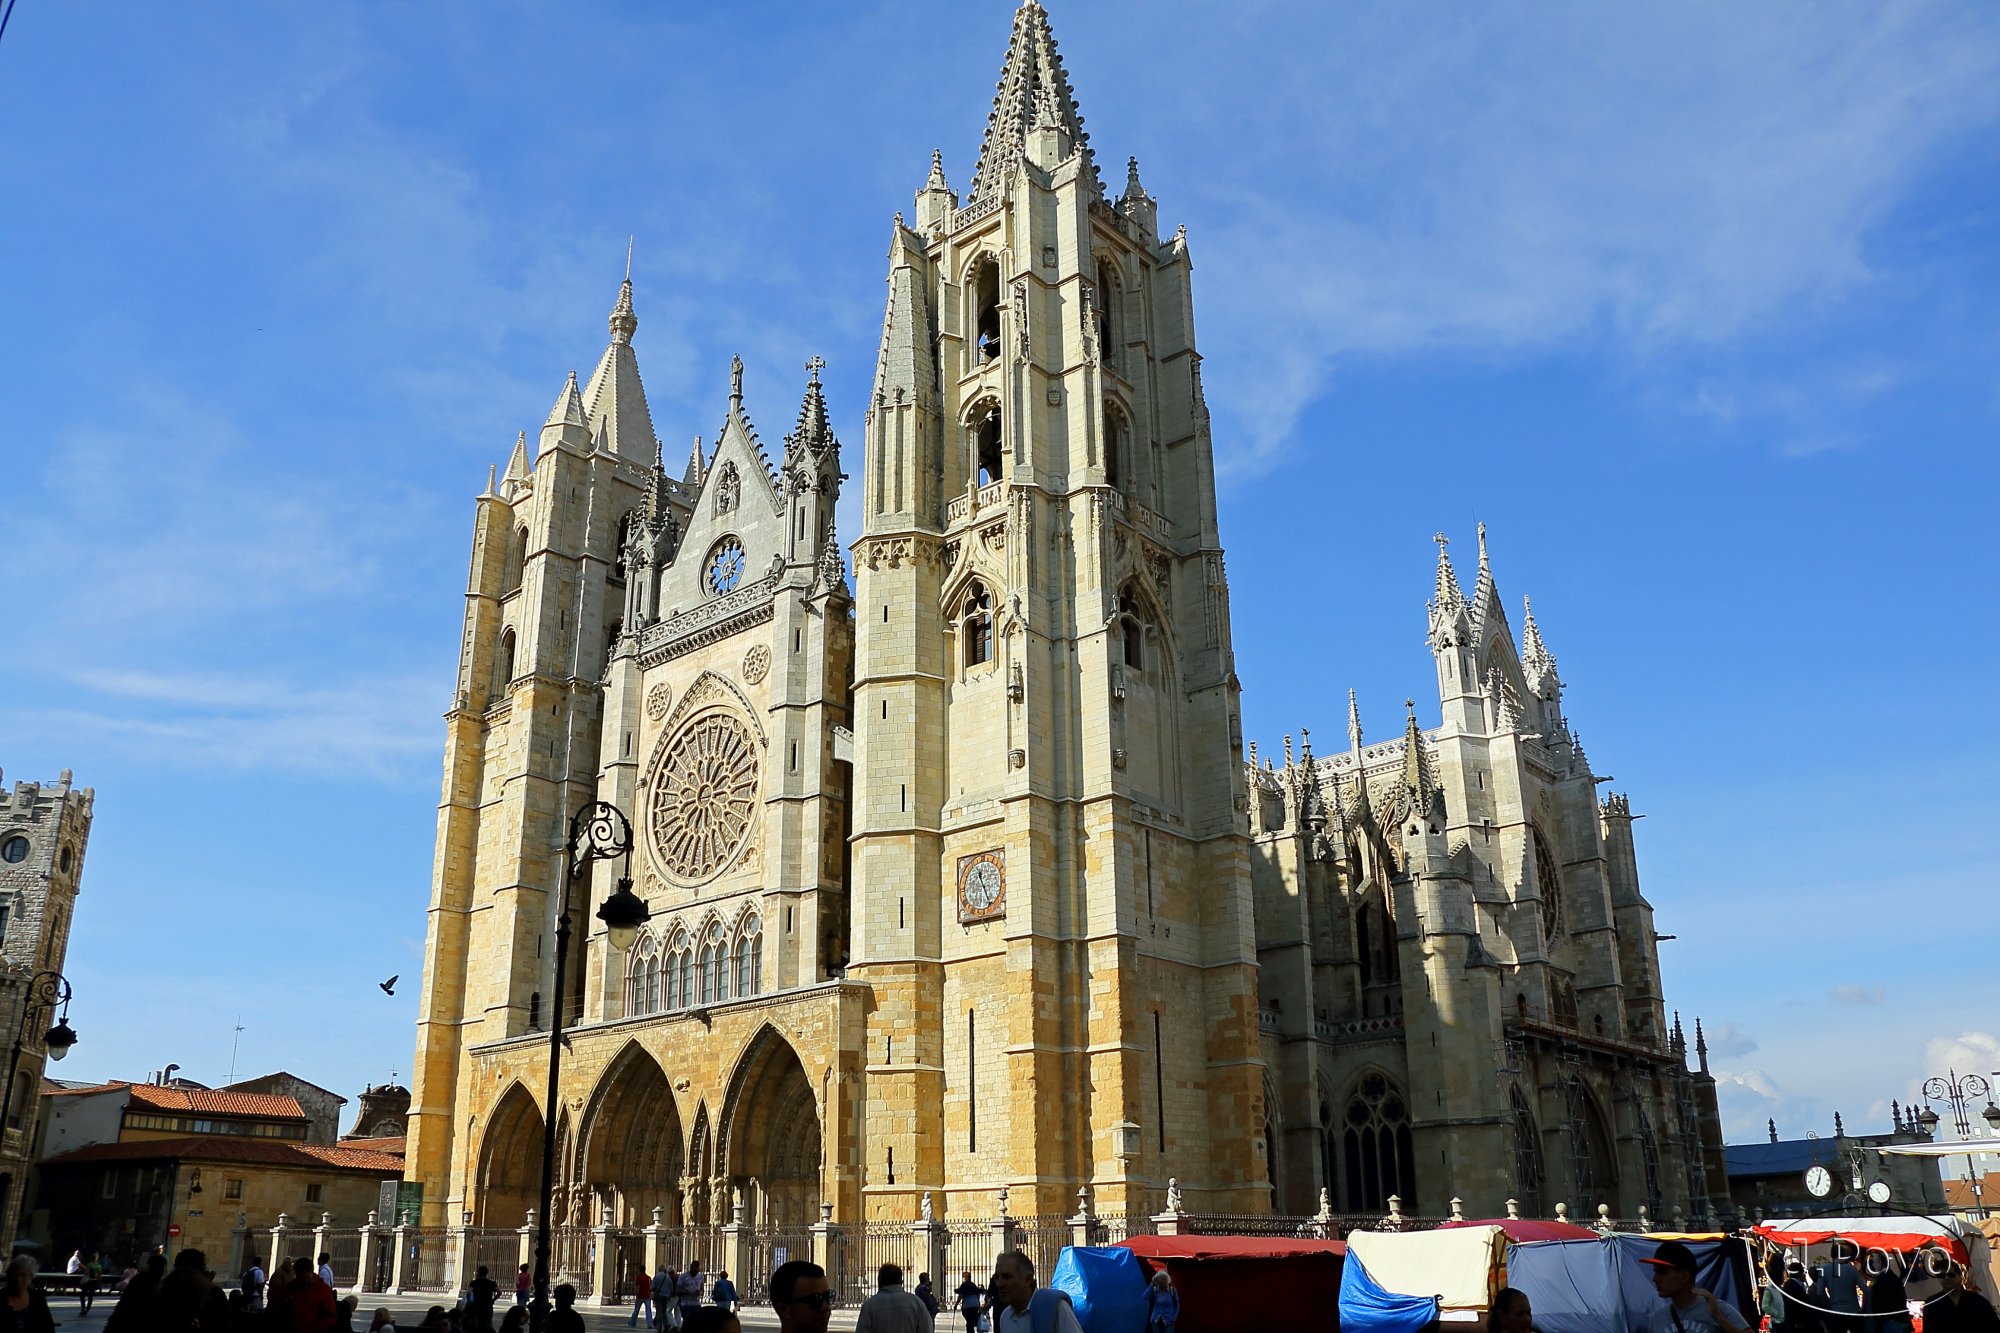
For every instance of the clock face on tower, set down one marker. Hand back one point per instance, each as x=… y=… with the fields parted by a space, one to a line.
x=982 y=886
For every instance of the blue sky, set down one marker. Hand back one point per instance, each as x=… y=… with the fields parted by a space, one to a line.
x=1692 y=304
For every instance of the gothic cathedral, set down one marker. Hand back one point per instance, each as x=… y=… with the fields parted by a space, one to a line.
x=962 y=882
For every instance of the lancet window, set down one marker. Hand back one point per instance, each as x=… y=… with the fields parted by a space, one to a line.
x=1132 y=629
x=975 y=625
x=642 y=977
x=986 y=301
x=714 y=984
x=989 y=462
x=750 y=957
x=1548 y=881
x=678 y=972
x=1114 y=447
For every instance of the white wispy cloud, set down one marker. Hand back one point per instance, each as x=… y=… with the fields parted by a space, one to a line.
x=1855 y=993
x=1528 y=178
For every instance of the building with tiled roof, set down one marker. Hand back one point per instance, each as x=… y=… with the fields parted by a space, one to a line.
x=122 y=1197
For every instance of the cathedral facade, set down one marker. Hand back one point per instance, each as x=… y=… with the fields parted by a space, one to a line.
x=962 y=882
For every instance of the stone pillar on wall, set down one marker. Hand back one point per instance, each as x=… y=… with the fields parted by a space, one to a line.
x=371 y=1256
x=929 y=1240
x=1170 y=1222
x=736 y=1240
x=656 y=1249
x=1003 y=1228
x=528 y=1242
x=823 y=1236
x=604 y=1263
x=1084 y=1223
x=399 y=1261
x=279 y=1229
x=461 y=1254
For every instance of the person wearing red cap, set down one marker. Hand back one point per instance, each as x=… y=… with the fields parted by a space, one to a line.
x=1689 y=1309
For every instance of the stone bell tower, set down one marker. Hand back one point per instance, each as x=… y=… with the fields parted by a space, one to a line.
x=1051 y=884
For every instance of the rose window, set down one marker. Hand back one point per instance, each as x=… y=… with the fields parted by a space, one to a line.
x=704 y=791
x=725 y=566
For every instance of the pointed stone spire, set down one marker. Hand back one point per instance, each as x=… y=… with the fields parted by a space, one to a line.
x=697 y=468
x=519 y=466
x=1700 y=1046
x=656 y=489
x=1033 y=90
x=489 y=493
x=936 y=180
x=1417 y=775
x=568 y=410
x=1537 y=663
x=615 y=399
x=1354 y=725
x=1485 y=603
x=1133 y=189
x=1680 y=1042
x=1772 y=1125
x=813 y=433
x=1447 y=596
x=832 y=568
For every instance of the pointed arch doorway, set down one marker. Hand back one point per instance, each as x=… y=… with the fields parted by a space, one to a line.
x=770 y=1135
x=510 y=1161
x=632 y=1141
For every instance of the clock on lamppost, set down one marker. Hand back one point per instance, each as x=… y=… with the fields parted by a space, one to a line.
x=982 y=887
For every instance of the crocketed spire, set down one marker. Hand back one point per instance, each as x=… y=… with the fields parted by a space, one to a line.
x=568 y=410
x=1537 y=663
x=1448 y=597
x=812 y=432
x=615 y=399
x=1033 y=90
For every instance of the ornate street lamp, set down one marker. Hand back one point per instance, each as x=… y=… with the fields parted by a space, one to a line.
x=46 y=990
x=597 y=832
x=1958 y=1091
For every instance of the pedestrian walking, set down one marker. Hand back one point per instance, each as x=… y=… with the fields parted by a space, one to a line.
x=971 y=1298
x=892 y=1309
x=253 y=1281
x=481 y=1295
x=642 y=1296
x=724 y=1293
x=1163 y=1304
x=689 y=1289
x=524 y=1285
x=1839 y=1290
x=927 y=1296
x=326 y=1272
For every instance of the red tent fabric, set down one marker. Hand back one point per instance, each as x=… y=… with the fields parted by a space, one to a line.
x=1276 y=1284
x=1523 y=1230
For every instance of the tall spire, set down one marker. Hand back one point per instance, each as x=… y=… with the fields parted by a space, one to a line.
x=615 y=399
x=1448 y=597
x=1417 y=774
x=1033 y=90
x=1354 y=724
x=813 y=432
x=519 y=468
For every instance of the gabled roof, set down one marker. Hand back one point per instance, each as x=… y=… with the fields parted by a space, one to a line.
x=226 y=1148
x=1034 y=88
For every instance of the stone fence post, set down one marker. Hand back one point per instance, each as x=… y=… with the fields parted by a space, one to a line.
x=823 y=1238
x=371 y=1256
x=322 y=1242
x=1169 y=1222
x=1003 y=1228
x=604 y=1274
x=399 y=1262
x=656 y=1248
x=277 y=1254
x=528 y=1243
x=461 y=1253
x=1084 y=1223
x=239 y=1242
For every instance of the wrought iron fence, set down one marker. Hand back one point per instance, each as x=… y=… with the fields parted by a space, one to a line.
x=570 y=1251
x=343 y=1251
x=628 y=1257
x=971 y=1244
x=885 y=1243
x=1250 y=1224
x=841 y=1255
x=1111 y=1229
x=498 y=1251
x=767 y=1248
x=680 y=1246
x=1042 y=1240
x=430 y=1260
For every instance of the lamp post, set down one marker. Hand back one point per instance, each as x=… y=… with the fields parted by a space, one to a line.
x=45 y=990
x=1957 y=1091
x=597 y=832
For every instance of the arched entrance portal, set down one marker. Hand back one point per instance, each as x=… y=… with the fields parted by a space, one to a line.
x=510 y=1161
x=632 y=1141
x=771 y=1135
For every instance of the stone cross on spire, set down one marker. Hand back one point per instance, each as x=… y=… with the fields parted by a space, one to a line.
x=814 y=365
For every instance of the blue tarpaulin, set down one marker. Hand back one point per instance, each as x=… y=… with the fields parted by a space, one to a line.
x=1591 y=1286
x=1366 y=1308
x=1106 y=1287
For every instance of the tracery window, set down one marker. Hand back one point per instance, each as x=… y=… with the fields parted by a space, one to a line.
x=714 y=972
x=1548 y=881
x=1378 y=1157
x=975 y=624
x=704 y=795
x=750 y=958
x=517 y=563
x=987 y=459
x=677 y=972
x=642 y=977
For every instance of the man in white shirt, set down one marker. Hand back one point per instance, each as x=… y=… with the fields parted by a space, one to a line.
x=1020 y=1307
